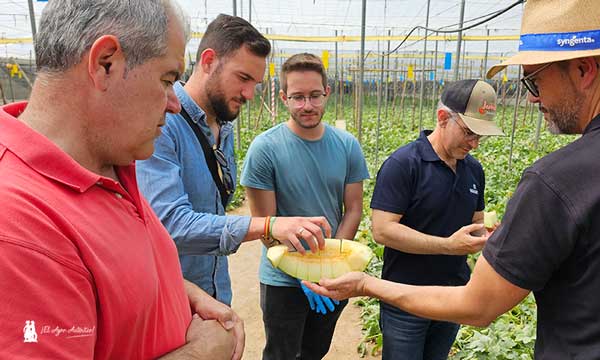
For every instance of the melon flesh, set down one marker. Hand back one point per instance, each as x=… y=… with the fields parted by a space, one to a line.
x=326 y=263
x=490 y=219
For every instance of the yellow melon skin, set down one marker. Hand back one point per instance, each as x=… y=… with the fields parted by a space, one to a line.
x=327 y=263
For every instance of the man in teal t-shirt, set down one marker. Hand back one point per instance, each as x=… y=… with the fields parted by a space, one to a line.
x=303 y=168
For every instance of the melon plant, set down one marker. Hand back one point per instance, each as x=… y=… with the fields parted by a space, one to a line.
x=327 y=263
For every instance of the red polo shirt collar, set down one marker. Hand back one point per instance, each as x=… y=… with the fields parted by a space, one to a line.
x=42 y=155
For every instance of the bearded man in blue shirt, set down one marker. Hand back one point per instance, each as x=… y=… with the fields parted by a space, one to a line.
x=191 y=176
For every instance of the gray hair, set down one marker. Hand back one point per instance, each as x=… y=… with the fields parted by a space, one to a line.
x=442 y=106
x=68 y=28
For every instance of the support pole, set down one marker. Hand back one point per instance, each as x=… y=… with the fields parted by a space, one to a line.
x=337 y=97
x=514 y=122
x=423 y=75
x=537 y=129
x=485 y=59
x=435 y=81
x=387 y=77
x=459 y=40
x=362 y=68
x=379 y=105
x=32 y=19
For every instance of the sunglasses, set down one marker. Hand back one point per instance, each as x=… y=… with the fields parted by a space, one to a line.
x=529 y=80
x=224 y=171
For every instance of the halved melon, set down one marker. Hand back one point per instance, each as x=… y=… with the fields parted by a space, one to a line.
x=326 y=263
x=490 y=219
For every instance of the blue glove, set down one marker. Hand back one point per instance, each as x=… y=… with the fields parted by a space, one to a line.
x=318 y=302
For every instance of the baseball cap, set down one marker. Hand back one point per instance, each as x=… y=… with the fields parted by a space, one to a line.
x=475 y=103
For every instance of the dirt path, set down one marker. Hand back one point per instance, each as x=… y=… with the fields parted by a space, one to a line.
x=243 y=267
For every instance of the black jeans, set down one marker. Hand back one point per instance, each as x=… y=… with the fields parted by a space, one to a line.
x=292 y=329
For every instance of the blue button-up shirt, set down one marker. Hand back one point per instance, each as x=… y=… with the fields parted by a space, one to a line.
x=179 y=186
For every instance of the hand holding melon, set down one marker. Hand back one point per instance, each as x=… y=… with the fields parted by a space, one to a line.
x=346 y=286
x=290 y=231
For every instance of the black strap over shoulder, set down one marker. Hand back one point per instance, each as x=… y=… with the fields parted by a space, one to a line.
x=211 y=160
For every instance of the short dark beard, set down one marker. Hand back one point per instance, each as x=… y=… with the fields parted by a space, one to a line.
x=564 y=118
x=217 y=99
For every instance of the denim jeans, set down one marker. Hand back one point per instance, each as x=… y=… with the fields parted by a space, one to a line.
x=292 y=329
x=409 y=337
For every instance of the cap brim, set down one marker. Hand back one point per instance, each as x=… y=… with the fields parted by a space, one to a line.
x=539 y=57
x=481 y=127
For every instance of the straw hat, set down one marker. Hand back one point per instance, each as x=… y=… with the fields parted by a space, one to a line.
x=555 y=30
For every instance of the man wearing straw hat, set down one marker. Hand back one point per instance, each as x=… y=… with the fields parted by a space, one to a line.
x=428 y=212
x=548 y=242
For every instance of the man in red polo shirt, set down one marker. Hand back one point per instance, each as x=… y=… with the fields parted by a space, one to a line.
x=87 y=269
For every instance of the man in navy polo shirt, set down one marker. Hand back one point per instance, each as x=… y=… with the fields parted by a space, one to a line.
x=428 y=212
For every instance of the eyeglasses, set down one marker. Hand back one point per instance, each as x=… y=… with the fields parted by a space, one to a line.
x=469 y=135
x=224 y=172
x=298 y=101
x=529 y=81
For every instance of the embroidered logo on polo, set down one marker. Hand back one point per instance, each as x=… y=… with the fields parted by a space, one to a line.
x=485 y=108
x=473 y=190
x=30 y=334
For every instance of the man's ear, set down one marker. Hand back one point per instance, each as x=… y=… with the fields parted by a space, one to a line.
x=208 y=60
x=327 y=90
x=442 y=117
x=283 y=96
x=588 y=70
x=106 y=61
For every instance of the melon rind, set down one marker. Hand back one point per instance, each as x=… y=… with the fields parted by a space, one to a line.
x=326 y=263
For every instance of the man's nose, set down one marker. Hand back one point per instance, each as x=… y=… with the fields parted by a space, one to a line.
x=173 y=104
